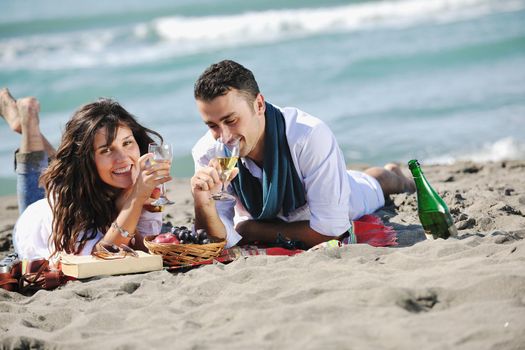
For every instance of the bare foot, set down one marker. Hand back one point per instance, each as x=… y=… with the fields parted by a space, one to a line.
x=9 y=111
x=409 y=185
x=28 y=108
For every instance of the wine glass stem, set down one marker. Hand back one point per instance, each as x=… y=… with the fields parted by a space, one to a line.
x=162 y=191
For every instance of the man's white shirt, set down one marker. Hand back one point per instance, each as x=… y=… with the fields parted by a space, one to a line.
x=320 y=164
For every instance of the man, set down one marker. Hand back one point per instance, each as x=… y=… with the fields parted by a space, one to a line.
x=291 y=178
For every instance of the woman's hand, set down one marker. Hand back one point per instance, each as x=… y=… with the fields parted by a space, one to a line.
x=149 y=177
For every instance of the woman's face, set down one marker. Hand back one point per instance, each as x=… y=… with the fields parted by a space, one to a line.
x=116 y=163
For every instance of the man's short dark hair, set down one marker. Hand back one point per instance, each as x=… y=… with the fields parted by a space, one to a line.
x=219 y=78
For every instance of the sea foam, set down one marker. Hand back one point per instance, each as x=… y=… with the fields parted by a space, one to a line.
x=175 y=36
x=507 y=148
x=282 y=24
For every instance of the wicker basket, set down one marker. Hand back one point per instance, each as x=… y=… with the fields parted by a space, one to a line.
x=175 y=255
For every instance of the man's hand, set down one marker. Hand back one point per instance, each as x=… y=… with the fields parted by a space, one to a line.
x=207 y=181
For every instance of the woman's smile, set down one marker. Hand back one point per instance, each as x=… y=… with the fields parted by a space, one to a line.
x=126 y=170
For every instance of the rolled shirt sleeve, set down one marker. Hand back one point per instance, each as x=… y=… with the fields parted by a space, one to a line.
x=226 y=211
x=150 y=223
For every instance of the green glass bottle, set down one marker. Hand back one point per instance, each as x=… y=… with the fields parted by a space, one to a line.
x=432 y=210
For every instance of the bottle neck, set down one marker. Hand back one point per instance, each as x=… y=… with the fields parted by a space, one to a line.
x=420 y=180
x=415 y=168
x=419 y=177
x=417 y=172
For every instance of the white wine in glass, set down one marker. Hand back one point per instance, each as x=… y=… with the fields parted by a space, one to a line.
x=226 y=155
x=161 y=153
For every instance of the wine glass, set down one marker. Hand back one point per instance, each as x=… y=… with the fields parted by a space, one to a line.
x=161 y=153
x=226 y=155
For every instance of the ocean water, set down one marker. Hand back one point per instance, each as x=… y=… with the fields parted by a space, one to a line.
x=438 y=80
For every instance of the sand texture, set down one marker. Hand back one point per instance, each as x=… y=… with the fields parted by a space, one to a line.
x=466 y=293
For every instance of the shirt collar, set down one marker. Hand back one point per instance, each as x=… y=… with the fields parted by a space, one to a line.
x=252 y=167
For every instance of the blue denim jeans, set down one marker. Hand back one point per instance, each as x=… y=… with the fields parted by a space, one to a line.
x=29 y=167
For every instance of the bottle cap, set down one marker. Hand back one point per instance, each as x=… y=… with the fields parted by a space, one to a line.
x=413 y=164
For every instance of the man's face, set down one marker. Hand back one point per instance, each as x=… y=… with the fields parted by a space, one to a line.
x=232 y=116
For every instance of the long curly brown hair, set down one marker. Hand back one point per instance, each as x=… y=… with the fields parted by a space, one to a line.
x=82 y=203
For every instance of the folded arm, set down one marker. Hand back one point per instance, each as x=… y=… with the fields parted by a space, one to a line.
x=266 y=232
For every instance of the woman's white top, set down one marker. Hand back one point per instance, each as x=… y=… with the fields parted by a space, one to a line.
x=32 y=232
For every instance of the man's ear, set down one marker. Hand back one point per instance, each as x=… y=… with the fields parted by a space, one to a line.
x=259 y=105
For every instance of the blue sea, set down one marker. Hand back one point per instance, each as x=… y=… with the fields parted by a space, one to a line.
x=437 y=80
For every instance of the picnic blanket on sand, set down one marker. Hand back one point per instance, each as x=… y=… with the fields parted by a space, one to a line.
x=368 y=229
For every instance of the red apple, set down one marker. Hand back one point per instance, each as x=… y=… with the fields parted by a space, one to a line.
x=166 y=238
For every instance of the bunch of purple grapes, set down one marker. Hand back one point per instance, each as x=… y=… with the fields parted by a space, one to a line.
x=187 y=236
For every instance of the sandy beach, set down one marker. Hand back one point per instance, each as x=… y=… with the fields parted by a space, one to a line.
x=465 y=293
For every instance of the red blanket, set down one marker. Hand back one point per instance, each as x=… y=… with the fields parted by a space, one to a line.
x=368 y=229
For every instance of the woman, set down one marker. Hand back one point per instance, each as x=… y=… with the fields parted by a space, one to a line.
x=96 y=185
